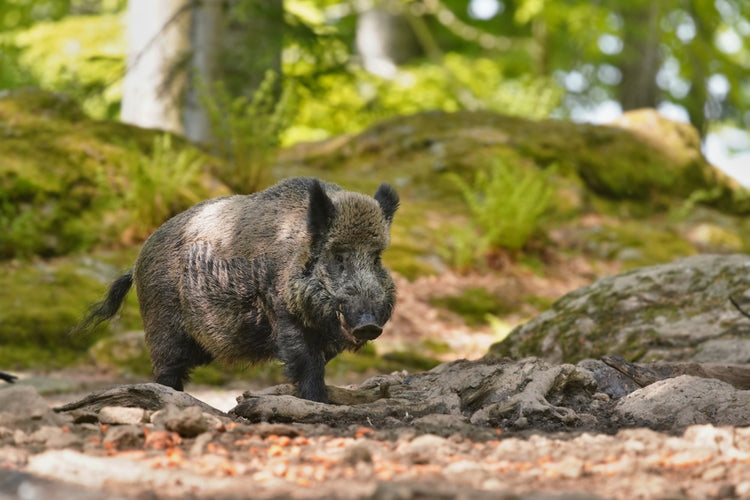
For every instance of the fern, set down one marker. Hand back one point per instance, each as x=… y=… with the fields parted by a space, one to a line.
x=507 y=203
x=161 y=184
x=247 y=131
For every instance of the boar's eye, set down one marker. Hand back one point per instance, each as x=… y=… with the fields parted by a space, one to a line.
x=340 y=259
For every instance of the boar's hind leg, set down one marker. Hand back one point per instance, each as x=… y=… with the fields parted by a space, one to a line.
x=173 y=360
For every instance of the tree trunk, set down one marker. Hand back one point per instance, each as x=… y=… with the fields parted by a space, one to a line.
x=158 y=37
x=178 y=48
x=385 y=40
x=252 y=44
x=640 y=57
x=206 y=37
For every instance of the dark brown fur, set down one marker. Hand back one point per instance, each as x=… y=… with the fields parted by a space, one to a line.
x=292 y=272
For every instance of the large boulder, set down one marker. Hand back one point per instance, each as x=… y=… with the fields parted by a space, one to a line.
x=676 y=311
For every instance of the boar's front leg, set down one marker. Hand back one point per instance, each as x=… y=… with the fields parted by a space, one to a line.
x=304 y=361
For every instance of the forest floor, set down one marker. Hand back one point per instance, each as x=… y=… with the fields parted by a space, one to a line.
x=198 y=455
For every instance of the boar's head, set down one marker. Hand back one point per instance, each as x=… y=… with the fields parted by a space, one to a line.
x=348 y=288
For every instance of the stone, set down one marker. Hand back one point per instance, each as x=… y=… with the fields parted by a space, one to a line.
x=676 y=403
x=21 y=407
x=122 y=415
x=188 y=422
x=671 y=312
x=124 y=437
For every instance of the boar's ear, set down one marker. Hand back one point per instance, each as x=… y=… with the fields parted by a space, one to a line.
x=387 y=197
x=321 y=210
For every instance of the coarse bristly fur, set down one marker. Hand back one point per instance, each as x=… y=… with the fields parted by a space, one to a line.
x=292 y=272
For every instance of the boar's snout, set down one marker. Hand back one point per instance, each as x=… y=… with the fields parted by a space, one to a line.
x=366 y=328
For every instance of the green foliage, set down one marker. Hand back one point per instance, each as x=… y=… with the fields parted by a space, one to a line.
x=68 y=183
x=247 y=131
x=82 y=56
x=475 y=305
x=347 y=102
x=506 y=203
x=12 y=73
x=160 y=185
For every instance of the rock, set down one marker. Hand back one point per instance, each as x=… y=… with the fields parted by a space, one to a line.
x=13 y=456
x=465 y=472
x=734 y=350
x=188 y=422
x=423 y=449
x=54 y=437
x=357 y=453
x=15 y=485
x=21 y=407
x=122 y=415
x=670 y=312
x=679 y=402
x=124 y=437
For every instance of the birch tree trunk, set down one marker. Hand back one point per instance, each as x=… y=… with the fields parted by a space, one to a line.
x=158 y=37
x=177 y=49
x=207 y=34
x=641 y=58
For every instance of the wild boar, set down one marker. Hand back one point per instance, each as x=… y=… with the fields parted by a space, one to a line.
x=292 y=273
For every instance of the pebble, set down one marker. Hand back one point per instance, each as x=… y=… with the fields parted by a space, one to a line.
x=122 y=415
x=465 y=472
x=427 y=447
x=124 y=437
x=187 y=423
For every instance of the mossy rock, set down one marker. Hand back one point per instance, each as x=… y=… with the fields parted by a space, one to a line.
x=664 y=312
x=648 y=159
x=41 y=302
x=66 y=181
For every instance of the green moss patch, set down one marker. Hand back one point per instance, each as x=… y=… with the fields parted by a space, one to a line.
x=473 y=305
x=41 y=302
x=68 y=183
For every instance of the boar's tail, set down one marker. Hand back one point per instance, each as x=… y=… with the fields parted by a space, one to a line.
x=104 y=310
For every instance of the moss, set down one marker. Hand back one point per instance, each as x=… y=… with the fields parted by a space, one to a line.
x=435 y=346
x=41 y=301
x=538 y=302
x=473 y=305
x=64 y=178
x=613 y=162
x=637 y=243
x=410 y=360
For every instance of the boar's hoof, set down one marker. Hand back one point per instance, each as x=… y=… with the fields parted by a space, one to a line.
x=369 y=331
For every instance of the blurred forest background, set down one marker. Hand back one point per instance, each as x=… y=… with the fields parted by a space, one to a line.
x=116 y=114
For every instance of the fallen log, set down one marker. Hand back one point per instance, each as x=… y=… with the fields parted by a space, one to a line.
x=150 y=396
